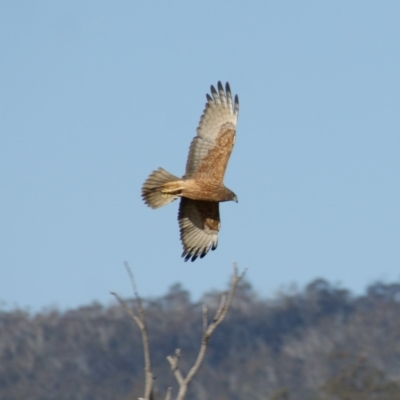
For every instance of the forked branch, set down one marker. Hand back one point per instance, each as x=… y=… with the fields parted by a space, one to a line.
x=208 y=330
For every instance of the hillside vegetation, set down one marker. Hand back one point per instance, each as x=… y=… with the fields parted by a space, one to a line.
x=319 y=343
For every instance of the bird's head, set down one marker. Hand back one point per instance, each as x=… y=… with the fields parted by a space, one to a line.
x=234 y=197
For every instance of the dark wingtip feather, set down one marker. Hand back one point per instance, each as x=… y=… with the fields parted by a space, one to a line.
x=236 y=106
x=214 y=92
x=227 y=88
x=193 y=255
x=220 y=87
x=188 y=255
x=204 y=253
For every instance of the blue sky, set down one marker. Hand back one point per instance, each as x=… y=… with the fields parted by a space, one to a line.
x=95 y=95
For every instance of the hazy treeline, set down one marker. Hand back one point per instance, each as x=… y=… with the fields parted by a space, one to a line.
x=319 y=343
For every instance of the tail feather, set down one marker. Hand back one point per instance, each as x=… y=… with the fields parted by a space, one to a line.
x=160 y=188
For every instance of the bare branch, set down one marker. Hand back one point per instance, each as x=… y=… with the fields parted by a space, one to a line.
x=226 y=301
x=221 y=307
x=205 y=322
x=141 y=323
x=174 y=362
x=168 y=395
x=128 y=310
x=133 y=283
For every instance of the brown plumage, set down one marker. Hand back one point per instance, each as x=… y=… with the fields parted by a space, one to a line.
x=201 y=189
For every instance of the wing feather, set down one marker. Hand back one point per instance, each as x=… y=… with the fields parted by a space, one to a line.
x=215 y=135
x=199 y=225
x=222 y=94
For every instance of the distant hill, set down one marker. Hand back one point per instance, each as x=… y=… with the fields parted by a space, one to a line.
x=320 y=343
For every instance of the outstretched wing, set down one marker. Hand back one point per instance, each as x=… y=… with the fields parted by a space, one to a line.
x=199 y=224
x=210 y=150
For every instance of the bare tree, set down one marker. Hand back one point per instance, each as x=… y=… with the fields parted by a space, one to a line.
x=208 y=330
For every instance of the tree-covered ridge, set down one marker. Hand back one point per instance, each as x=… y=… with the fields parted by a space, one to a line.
x=319 y=343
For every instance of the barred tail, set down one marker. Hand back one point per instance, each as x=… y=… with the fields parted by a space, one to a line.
x=161 y=188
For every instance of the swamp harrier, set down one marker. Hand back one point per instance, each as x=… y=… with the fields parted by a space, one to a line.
x=201 y=189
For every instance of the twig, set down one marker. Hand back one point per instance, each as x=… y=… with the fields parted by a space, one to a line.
x=168 y=395
x=141 y=323
x=208 y=330
x=205 y=319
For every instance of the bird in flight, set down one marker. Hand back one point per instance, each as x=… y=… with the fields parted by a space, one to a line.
x=201 y=189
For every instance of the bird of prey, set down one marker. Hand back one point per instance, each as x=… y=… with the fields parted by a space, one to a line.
x=201 y=189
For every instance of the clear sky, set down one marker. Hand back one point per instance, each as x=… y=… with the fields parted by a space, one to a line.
x=94 y=95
